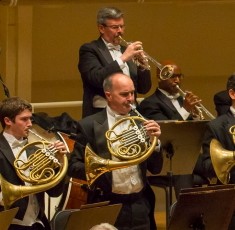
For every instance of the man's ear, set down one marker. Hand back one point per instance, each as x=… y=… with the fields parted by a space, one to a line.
x=7 y=120
x=107 y=95
x=101 y=29
x=231 y=93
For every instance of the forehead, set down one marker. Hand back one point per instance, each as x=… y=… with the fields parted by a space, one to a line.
x=24 y=113
x=114 y=21
x=123 y=84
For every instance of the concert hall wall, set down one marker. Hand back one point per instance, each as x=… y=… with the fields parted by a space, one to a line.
x=40 y=41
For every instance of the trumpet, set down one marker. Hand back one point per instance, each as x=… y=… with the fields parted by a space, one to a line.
x=200 y=107
x=142 y=60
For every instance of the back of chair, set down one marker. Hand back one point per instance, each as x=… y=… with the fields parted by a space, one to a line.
x=60 y=219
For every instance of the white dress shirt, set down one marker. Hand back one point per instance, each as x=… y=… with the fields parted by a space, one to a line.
x=32 y=211
x=98 y=101
x=127 y=180
x=181 y=110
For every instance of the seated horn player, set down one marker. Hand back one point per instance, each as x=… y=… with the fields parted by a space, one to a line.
x=15 y=117
x=128 y=184
x=219 y=139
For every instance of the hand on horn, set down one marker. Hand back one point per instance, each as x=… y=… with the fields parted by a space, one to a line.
x=60 y=146
x=190 y=101
x=153 y=129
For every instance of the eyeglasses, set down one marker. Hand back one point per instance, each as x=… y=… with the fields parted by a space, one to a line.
x=179 y=75
x=115 y=27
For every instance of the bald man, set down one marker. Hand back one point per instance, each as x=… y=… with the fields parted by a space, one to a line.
x=129 y=185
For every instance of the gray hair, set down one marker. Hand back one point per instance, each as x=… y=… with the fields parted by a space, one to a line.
x=108 y=84
x=108 y=13
x=103 y=226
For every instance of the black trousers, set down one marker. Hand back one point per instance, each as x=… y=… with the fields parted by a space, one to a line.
x=134 y=214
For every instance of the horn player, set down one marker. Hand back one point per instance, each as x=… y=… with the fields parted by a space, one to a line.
x=219 y=130
x=128 y=185
x=15 y=117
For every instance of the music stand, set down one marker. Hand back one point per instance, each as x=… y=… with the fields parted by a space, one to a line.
x=186 y=138
x=204 y=208
x=6 y=218
x=87 y=218
x=183 y=140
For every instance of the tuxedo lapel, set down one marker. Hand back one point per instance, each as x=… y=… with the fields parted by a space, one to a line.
x=6 y=149
x=104 y=50
x=165 y=100
x=100 y=128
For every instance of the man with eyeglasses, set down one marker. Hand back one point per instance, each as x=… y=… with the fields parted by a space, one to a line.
x=166 y=103
x=104 y=56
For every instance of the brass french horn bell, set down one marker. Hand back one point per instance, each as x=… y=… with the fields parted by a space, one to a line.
x=130 y=147
x=222 y=160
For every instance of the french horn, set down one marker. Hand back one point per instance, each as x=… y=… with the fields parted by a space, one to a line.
x=129 y=147
x=222 y=160
x=41 y=171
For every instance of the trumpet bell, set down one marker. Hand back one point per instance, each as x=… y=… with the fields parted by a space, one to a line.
x=166 y=72
x=222 y=161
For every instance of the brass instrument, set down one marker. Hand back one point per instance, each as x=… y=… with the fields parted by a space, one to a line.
x=222 y=160
x=200 y=107
x=142 y=60
x=130 y=147
x=44 y=169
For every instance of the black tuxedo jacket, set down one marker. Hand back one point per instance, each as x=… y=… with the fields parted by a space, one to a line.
x=222 y=102
x=159 y=107
x=7 y=170
x=95 y=64
x=216 y=129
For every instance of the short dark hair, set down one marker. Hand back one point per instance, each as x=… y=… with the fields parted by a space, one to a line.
x=11 y=107
x=108 y=13
x=231 y=82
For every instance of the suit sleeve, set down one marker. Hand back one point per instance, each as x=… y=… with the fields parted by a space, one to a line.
x=93 y=67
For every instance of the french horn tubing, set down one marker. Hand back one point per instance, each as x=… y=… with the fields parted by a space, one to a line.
x=142 y=60
x=130 y=147
x=43 y=168
x=222 y=160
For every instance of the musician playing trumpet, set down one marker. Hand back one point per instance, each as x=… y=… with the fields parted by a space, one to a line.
x=15 y=118
x=104 y=56
x=126 y=185
x=166 y=103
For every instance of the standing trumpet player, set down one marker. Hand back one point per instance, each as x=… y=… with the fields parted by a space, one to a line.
x=104 y=56
x=15 y=118
x=128 y=185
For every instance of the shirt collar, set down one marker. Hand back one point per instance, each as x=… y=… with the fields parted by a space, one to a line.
x=175 y=96
x=13 y=141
